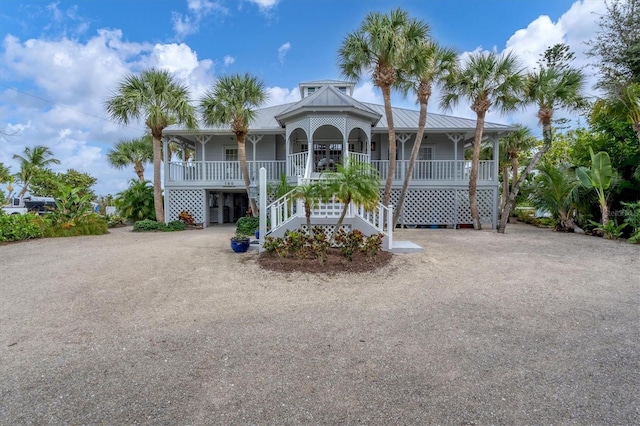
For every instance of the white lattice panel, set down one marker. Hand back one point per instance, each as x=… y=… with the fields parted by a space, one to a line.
x=443 y=206
x=337 y=122
x=300 y=124
x=328 y=229
x=352 y=123
x=191 y=200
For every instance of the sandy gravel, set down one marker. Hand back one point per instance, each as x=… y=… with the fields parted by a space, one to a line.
x=532 y=327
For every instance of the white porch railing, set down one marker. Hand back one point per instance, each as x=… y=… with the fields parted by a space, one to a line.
x=359 y=157
x=437 y=170
x=282 y=210
x=297 y=164
x=220 y=171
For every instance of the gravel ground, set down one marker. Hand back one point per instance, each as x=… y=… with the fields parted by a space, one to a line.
x=531 y=327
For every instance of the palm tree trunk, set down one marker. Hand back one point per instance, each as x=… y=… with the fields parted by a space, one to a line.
x=307 y=214
x=514 y=170
x=139 y=169
x=547 y=138
x=242 y=156
x=340 y=219
x=505 y=187
x=604 y=208
x=473 y=176
x=157 y=188
x=386 y=95
x=422 y=120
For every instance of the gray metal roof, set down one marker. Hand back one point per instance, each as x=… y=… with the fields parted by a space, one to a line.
x=327 y=97
x=408 y=119
x=326 y=83
x=403 y=119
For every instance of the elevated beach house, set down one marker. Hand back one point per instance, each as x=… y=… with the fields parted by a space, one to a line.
x=327 y=126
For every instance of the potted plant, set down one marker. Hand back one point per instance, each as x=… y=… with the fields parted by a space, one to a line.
x=240 y=243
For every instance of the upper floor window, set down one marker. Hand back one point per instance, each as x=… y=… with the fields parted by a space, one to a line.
x=231 y=154
x=310 y=90
x=343 y=89
x=425 y=153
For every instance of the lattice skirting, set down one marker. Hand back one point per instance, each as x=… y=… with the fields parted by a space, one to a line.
x=191 y=200
x=444 y=206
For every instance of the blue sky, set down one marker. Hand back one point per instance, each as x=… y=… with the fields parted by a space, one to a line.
x=60 y=60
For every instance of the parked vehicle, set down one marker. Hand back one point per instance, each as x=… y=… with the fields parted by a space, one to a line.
x=39 y=205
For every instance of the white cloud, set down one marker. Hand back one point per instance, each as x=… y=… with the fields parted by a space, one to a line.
x=279 y=95
x=228 y=60
x=265 y=5
x=70 y=80
x=367 y=92
x=282 y=51
x=184 y=25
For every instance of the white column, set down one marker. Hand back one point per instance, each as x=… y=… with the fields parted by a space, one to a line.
x=263 y=206
x=220 y=208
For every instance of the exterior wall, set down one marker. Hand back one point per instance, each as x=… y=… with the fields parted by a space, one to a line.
x=266 y=148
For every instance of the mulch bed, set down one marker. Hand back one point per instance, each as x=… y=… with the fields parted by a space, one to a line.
x=334 y=264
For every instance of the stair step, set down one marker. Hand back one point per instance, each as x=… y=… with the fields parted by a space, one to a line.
x=405 y=247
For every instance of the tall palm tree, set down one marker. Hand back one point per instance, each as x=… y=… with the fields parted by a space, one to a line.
x=33 y=159
x=549 y=89
x=486 y=80
x=355 y=182
x=156 y=97
x=622 y=102
x=136 y=152
x=231 y=101
x=430 y=64
x=512 y=146
x=380 y=45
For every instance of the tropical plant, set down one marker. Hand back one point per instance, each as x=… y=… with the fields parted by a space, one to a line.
x=310 y=194
x=487 y=80
x=46 y=183
x=381 y=46
x=512 y=146
x=71 y=205
x=232 y=102
x=159 y=100
x=548 y=89
x=132 y=152
x=631 y=212
x=33 y=159
x=17 y=227
x=430 y=64
x=354 y=182
x=556 y=191
x=136 y=202
x=599 y=178
x=622 y=103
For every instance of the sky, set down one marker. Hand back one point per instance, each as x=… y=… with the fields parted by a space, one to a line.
x=61 y=60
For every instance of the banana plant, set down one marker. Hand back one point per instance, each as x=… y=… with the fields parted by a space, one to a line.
x=598 y=177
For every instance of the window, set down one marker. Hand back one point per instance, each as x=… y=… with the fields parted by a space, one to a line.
x=231 y=154
x=310 y=90
x=425 y=153
x=343 y=89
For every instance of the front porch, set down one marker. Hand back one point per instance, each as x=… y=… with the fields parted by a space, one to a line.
x=229 y=174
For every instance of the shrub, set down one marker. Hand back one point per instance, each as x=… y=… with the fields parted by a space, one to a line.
x=136 y=202
x=247 y=225
x=176 y=225
x=186 y=217
x=20 y=227
x=631 y=213
x=88 y=224
x=114 y=221
x=147 y=225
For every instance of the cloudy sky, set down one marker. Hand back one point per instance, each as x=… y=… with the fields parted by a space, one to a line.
x=61 y=60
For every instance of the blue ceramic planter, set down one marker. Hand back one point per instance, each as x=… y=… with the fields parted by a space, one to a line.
x=240 y=246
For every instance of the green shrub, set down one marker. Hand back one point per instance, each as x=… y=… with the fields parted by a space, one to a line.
x=113 y=221
x=89 y=224
x=20 y=227
x=247 y=225
x=136 y=202
x=631 y=212
x=176 y=225
x=153 y=226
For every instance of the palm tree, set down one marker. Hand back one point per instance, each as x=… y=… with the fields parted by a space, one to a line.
x=511 y=146
x=310 y=194
x=486 y=80
x=231 y=102
x=622 y=102
x=549 y=89
x=157 y=98
x=33 y=159
x=136 y=152
x=556 y=190
x=355 y=182
x=429 y=65
x=380 y=46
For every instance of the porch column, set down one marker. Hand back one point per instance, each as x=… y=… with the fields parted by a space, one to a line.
x=220 y=207
x=165 y=161
x=254 y=139
x=403 y=138
x=455 y=138
x=496 y=153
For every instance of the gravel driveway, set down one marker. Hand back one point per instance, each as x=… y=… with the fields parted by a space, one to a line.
x=531 y=327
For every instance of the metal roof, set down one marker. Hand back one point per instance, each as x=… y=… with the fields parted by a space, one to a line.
x=403 y=119
x=326 y=83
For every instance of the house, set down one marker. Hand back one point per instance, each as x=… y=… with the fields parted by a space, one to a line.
x=327 y=125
